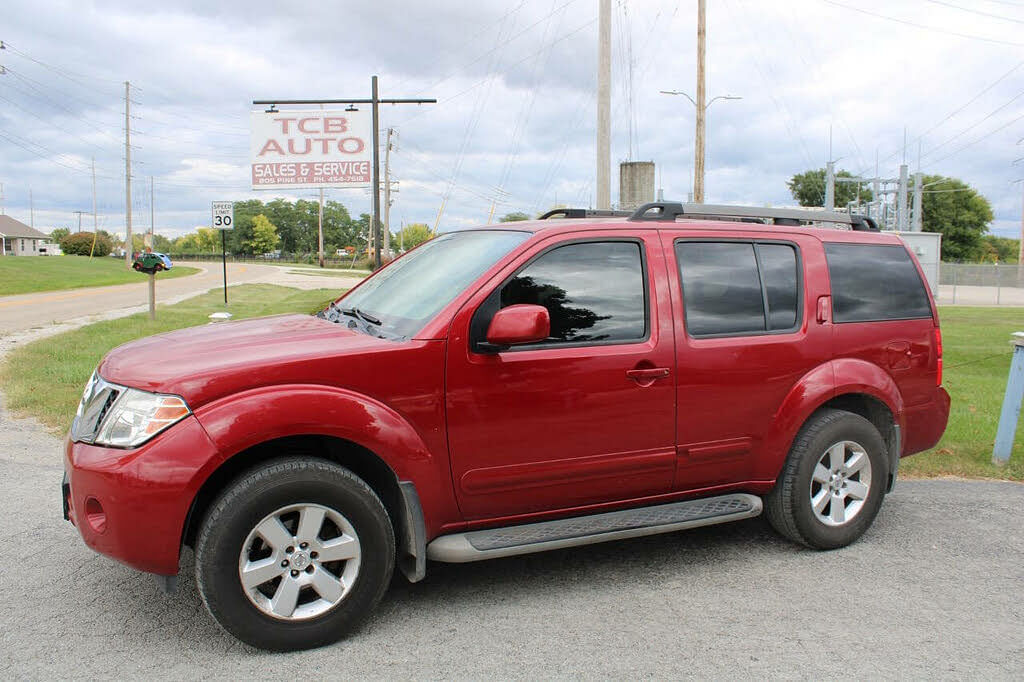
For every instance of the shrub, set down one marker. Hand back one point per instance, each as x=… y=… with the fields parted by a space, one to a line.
x=80 y=244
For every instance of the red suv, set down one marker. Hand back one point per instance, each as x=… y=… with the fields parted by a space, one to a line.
x=513 y=389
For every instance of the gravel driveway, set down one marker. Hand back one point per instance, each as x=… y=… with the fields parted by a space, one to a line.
x=933 y=590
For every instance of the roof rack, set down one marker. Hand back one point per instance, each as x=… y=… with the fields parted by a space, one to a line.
x=584 y=213
x=664 y=210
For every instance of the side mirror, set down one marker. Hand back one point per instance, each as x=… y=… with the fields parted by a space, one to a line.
x=519 y=324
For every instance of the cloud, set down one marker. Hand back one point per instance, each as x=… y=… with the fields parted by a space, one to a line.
x=515 y=82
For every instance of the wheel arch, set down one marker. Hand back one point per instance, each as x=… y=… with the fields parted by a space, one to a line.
x=856 y=386
x=400 y=498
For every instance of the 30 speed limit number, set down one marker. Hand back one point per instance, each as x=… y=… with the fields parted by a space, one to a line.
x=223 y=215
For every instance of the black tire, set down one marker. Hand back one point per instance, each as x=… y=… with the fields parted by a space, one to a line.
x=788 y=506
x=259 y=493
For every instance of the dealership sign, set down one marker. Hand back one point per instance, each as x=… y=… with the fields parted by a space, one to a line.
x=311 y=149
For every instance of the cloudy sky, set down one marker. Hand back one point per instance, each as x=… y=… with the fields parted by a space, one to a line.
x=515 y=83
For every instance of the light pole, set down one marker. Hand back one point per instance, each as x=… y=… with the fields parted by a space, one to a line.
x=698 y=153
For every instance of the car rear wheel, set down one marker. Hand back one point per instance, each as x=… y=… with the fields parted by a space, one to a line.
x=294 y=554
x=832 y=483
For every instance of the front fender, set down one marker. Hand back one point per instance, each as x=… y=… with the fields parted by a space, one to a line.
x=238 y=422
x=823 y=383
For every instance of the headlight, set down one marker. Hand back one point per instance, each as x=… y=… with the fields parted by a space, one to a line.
x=136 y=416
x=123 y=417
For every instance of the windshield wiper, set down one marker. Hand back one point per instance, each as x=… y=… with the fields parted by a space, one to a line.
x=365 y=317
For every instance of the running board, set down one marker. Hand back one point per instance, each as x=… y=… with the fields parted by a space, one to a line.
x=586 y=530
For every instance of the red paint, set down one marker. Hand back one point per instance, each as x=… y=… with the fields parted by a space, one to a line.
x=519 y=324
x=491 y=438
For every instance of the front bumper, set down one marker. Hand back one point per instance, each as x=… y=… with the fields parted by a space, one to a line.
x=131 y=505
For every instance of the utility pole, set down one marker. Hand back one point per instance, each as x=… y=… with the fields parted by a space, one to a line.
x=79 y=219
x=604 y=104
x=320 y=230
x=31 y=210
x=1 y=198
x=376 y=173
x=128 y=247
x=830 y=186
x=387 y=189
x=698 y=151
x=375 y=103
x=95 y=222
x=152 y=212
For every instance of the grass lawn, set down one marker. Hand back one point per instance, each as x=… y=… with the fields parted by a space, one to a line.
x=975 y=341
x=27 y=274
x=330 y=273
x=45 y=378
x=976 y=356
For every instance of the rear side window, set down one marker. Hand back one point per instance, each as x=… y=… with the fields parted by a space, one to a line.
x=735 y=288
x=874 y=282
x=594 y=291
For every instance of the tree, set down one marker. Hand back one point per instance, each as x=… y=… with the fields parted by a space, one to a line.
x=952 y=207
x=808 y=188
x=995 y=249
x=264 y=235
x=513 y=217
x=59 y=234
x=203 y=240
x=80 y=244
x=411 y=236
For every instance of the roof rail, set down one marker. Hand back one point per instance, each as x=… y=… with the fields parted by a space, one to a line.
x=584 y=213
x=665 y=210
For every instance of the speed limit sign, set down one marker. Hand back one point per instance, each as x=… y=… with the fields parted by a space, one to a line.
x=223 y=215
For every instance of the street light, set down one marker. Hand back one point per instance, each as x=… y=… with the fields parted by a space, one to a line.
x=698 y=153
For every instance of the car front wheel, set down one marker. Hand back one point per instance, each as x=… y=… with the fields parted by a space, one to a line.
x=294 y=554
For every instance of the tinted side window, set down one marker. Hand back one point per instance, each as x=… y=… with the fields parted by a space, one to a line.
x=594 y=291
x=874 y=282
x=779 y=271
x=738 y=288
x=721 y=288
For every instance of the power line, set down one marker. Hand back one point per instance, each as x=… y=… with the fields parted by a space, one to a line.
x=780 y=106
x=70 y=75
x=953 y=113
x=922 y=26
x=975 y=11
x=498 y=45
x=976 y=124
x=976 y=141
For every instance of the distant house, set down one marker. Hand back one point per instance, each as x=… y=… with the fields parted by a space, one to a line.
x=18 y=239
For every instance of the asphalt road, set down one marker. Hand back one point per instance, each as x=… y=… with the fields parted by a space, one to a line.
x=933 y=590
x=27 y=311
x=42 y=310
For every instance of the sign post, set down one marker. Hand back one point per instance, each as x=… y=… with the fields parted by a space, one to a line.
x=1007 y=429
x=223 y=220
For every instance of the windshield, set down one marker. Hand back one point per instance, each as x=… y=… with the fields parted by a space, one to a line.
x=409 y=292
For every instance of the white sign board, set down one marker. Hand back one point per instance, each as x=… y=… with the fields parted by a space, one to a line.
x=311 y=149
x=223 y=215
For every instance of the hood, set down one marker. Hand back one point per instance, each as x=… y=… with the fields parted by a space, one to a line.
x=206 y=362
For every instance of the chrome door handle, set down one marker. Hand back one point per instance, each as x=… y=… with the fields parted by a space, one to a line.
x=648 y=373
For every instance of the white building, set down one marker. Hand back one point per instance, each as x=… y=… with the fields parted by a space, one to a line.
x=18 y=239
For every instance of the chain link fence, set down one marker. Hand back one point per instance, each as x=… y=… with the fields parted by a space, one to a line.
x=987 y=284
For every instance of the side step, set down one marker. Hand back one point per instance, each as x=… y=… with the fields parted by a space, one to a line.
x=586 y=530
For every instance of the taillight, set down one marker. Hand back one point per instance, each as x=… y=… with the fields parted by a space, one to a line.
x=938 y=353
